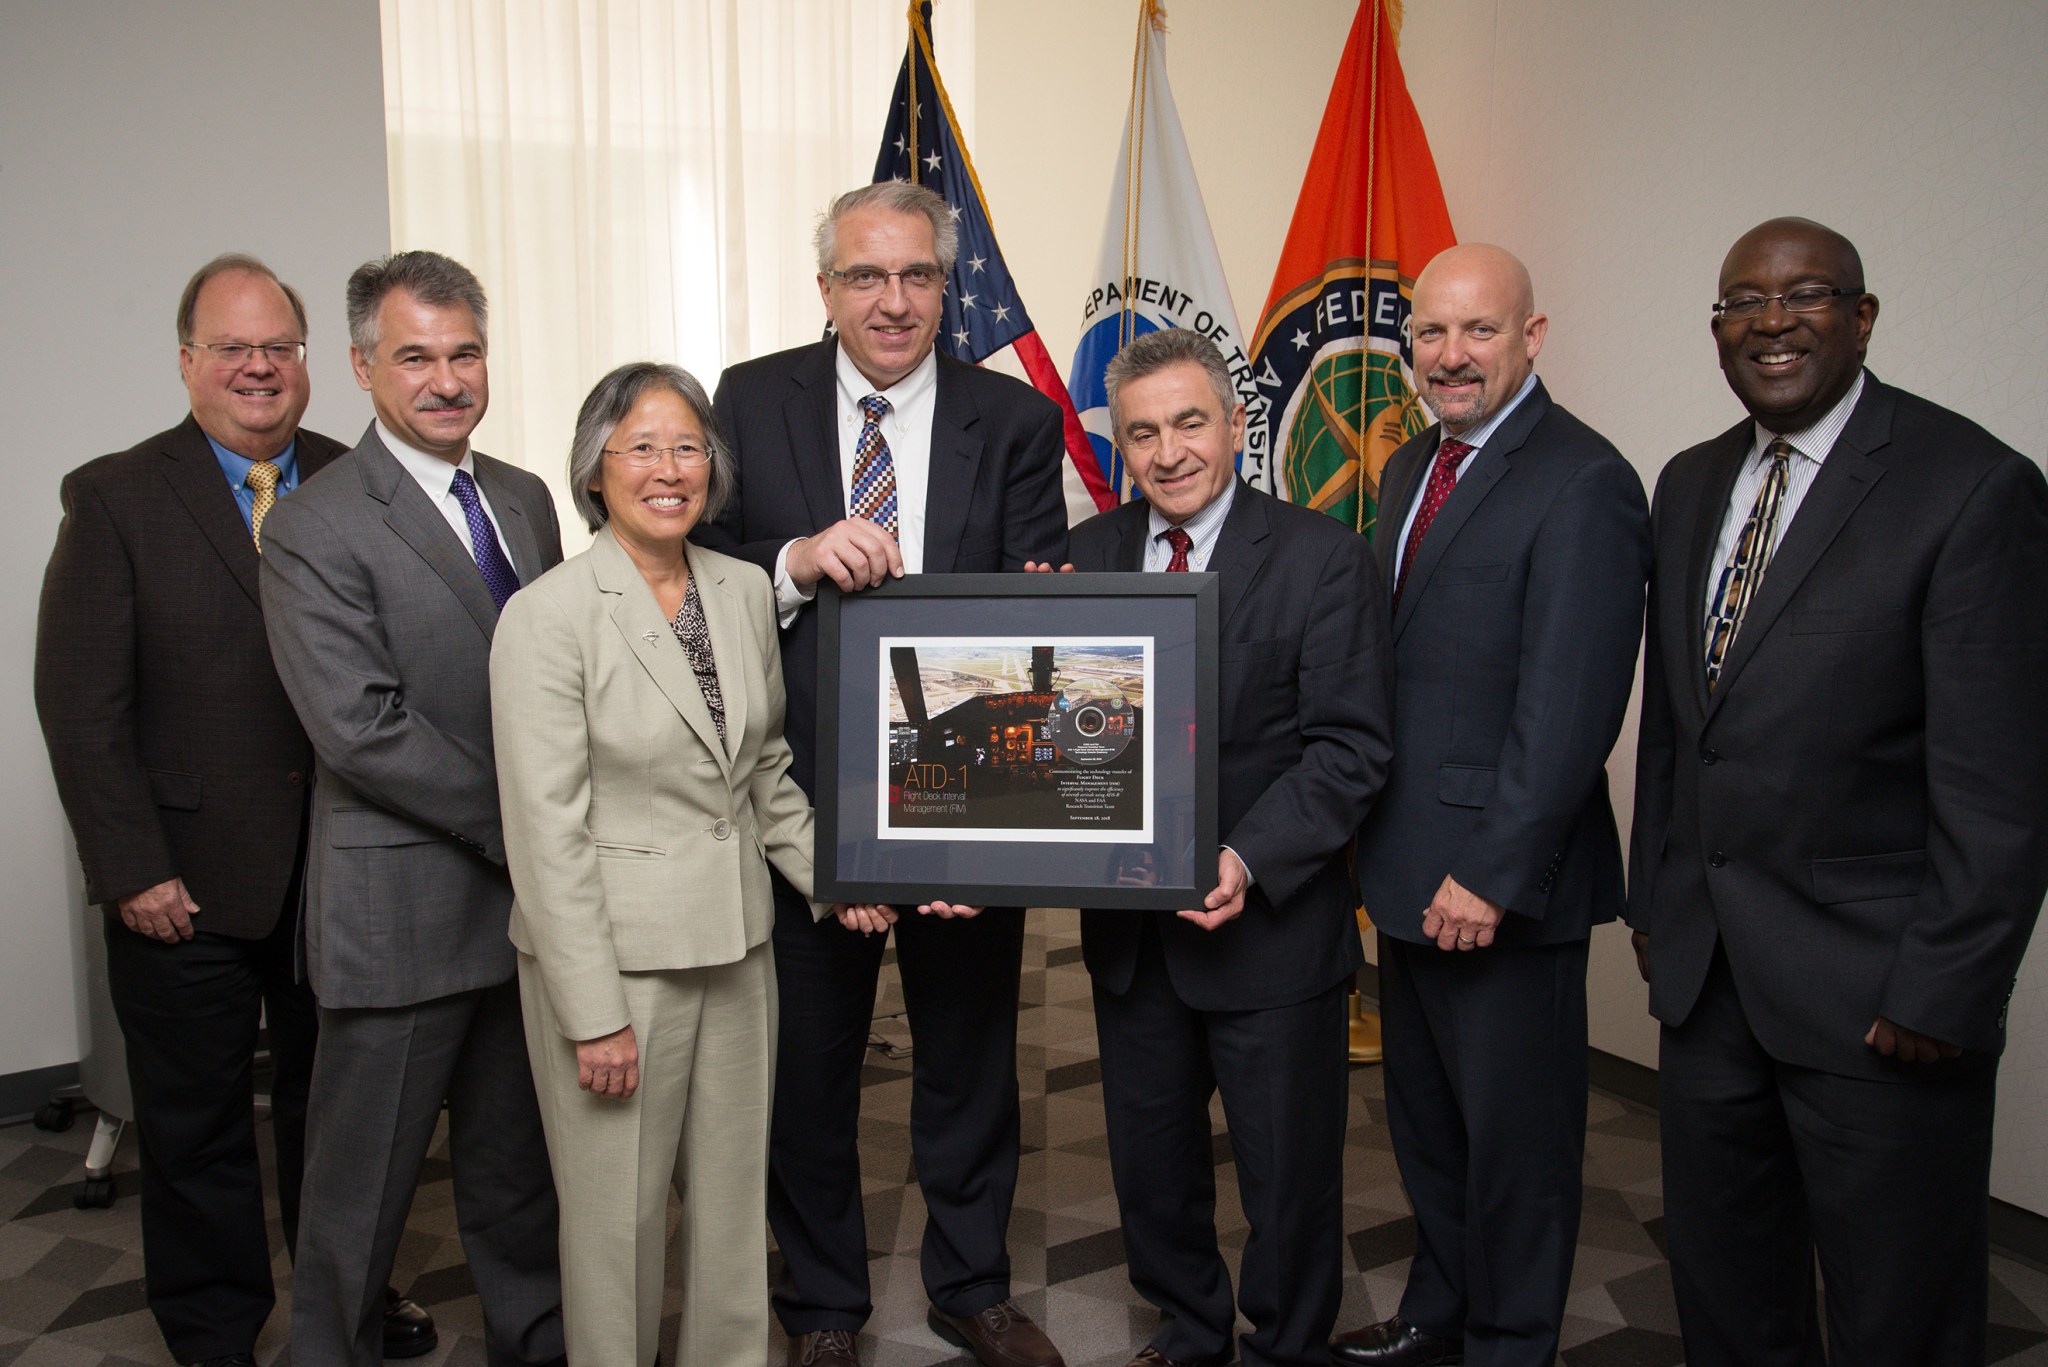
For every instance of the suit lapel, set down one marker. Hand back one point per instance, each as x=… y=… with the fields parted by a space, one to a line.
x=417 y=522
x=647 y=636
x=1487 y=468
x=726 y=617
x=1397 y=491
x=812 y=416
x=955 y=459
x=1723 y=466
x=1132 y=520
x=1241 y=550
x=522 y=545
x=195 y=478
x=1846 y=478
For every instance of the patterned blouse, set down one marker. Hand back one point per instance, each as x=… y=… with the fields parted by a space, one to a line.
x=693 y=633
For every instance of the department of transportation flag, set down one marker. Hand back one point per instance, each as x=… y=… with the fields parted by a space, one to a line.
x=1331 y=356
x=1159 y=267
x=982 y=313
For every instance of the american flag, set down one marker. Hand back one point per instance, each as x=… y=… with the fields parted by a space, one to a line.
x=982 y=314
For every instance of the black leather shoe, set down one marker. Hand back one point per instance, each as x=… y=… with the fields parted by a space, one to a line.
x=1395 y=1343
x=408 y=1330
x=1148 y=1356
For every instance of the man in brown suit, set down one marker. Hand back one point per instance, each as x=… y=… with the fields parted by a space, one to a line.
x=184 y=773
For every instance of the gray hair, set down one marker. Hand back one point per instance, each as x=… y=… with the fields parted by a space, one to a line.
x=433 y=279
x=1154 y=352
x=607 y=406
x=242 y=262
x=898 y=196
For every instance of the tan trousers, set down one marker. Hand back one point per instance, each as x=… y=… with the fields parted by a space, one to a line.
x=700 y=1121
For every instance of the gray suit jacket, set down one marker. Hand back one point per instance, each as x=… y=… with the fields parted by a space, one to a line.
x=637 y=839
x=1514 y=653
x=381 y=627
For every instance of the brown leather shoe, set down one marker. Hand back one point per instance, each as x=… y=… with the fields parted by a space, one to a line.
x=824 y=1348
x=1000 y=1336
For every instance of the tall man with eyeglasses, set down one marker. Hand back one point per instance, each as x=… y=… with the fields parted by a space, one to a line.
x=1838 y=852
x=862 y=457
x=382 y=582
x=184 y=773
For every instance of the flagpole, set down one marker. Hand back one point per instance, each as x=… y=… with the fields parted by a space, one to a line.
x=916 y=16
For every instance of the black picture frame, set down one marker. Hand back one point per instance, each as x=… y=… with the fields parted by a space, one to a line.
x=857 y=862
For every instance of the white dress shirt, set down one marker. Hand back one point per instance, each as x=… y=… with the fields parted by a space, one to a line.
x=1475 y=439
x=1809 y=450
x=907 y=427
x=437 y=478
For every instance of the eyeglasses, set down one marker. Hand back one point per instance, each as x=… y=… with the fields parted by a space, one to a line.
x=1805 y=299
x=236 y=354
x=646 y=455
x=868 y=279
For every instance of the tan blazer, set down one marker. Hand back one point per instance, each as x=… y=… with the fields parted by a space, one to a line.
x=635 y=843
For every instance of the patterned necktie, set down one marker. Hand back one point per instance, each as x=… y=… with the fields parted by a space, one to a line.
x=499 y=576
x=262 y=480
x=874 y=472
x=1443 y=475
x=1747 y=562
x=1181 y=543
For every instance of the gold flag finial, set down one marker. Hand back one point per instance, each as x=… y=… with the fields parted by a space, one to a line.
x=1155 y=15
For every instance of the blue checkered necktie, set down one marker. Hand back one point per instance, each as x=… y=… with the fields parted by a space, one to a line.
x=499 y=576
x=874 y=471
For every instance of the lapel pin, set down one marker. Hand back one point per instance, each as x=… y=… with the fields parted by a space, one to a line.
x=651 y=637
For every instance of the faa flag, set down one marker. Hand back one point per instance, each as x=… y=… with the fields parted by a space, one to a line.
x=1331 y=355
x=1158 y=265
x=982 y=313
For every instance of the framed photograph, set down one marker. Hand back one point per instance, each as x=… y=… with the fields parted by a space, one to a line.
x=1019 y=739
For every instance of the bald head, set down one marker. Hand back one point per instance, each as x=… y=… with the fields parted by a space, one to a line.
x=1816 y=241
x=1475 y=331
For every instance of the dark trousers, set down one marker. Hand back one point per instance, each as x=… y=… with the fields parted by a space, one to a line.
x=960 y=990
x=1766 y=1163
x=378 y=1085
x=189 y=1015
x=1486 y=1102
x=1281 y=1072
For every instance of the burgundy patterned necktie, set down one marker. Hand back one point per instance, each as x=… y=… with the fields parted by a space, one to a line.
x=874 y=471
x=1443 y=475
x=1182 y=543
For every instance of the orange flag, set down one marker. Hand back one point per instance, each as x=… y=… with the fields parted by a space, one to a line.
x=1330 y=355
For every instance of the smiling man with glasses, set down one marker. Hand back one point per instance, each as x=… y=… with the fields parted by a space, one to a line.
x=861 y=457
x=1838 y=847
x=184 y=772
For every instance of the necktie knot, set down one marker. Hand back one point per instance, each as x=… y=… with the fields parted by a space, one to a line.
x=262 y=480
x=874 y=407
x=1181 y=543
x=1450 y=453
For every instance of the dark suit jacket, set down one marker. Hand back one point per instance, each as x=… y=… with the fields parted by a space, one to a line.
x=993 y=502
x=1303 y=748
x=1857 y=811
x=175 y=749
x=381 y=627
x=1514 y=655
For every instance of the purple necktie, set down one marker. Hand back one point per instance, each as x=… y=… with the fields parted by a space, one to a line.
x=499 y=576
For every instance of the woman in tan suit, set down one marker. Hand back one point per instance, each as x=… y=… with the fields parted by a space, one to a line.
x=637 y=703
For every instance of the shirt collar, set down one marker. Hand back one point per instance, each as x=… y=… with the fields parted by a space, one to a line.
x=1817 y=441
x=1477 y=437
x=236 y=467
x=907 y=392
x=1202 y=526
x=433 y=474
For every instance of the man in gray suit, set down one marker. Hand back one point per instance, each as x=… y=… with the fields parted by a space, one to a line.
x=382 y=582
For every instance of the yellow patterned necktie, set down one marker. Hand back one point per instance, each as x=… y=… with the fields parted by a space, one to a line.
x=263 y=478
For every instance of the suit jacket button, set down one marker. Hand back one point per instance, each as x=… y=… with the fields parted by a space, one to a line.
x=720 y=829
x=295 y=778
x=1709 y=756
x=1717 y=859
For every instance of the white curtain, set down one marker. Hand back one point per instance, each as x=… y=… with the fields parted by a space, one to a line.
x=635 y=179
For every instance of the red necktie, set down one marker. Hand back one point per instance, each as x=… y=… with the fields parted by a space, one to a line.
x=1181 y=543
x=1442 y=476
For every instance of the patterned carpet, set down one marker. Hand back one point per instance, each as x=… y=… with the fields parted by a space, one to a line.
x=71 y=1290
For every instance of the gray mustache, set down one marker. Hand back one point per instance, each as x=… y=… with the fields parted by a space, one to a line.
x=434 y=403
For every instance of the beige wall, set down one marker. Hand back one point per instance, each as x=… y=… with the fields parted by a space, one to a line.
x=137 y=141
x=1619 y=147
